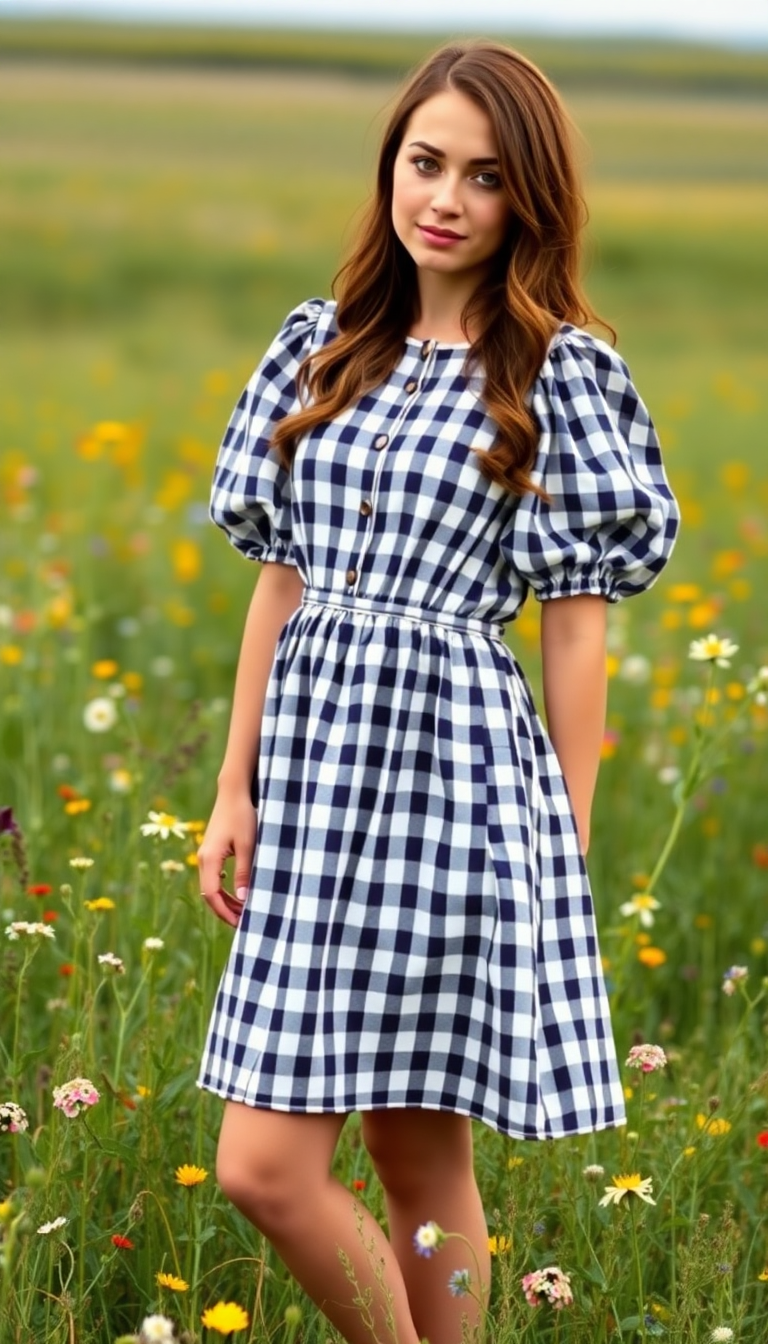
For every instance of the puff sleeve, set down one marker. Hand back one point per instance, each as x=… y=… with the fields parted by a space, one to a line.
x=251 y=492
x=613 y=520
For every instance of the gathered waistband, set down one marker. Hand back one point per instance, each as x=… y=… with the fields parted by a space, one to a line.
x=378 y=605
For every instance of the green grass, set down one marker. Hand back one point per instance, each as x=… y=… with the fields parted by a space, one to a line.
x=155 y=226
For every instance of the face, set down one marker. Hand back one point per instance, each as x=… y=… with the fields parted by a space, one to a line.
x=449 y=209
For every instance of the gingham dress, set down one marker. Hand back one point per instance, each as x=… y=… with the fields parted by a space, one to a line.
x=419 y=929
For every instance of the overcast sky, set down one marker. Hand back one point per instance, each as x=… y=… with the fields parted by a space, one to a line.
x=735 y=22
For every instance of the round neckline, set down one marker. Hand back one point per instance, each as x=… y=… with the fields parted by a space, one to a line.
x=439 y=345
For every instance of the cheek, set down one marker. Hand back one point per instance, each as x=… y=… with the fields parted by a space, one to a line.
x=496 y=218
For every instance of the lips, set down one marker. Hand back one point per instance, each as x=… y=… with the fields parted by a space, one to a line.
x=439 y=233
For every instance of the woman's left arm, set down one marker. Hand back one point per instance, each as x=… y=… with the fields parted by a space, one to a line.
x=575 y=693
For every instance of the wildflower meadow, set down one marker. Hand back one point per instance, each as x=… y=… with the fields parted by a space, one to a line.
x=157 y=225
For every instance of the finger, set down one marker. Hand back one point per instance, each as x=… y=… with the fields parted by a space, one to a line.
x=222 y=911
x=210 y=866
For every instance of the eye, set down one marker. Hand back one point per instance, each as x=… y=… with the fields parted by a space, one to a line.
x=488 y=179
x=424 y=164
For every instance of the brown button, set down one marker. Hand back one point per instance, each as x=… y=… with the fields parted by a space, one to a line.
x=411 y=386
x=351 y=575
x=427 y=349
x=382 y=441
x=366 y=507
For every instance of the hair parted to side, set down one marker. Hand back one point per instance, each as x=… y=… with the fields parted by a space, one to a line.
x=533 y=286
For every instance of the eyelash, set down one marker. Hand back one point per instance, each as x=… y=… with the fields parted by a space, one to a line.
x=485 y=172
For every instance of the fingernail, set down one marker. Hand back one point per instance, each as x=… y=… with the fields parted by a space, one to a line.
x=241 y=893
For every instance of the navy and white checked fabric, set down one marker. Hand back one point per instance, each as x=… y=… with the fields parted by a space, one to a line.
x=419 y=929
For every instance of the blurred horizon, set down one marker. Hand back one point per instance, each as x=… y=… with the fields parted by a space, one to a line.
x=744 y=23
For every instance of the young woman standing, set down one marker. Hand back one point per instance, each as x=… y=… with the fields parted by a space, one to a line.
x=415 y=936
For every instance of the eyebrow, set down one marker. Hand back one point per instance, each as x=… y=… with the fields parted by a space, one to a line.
x=438 y=153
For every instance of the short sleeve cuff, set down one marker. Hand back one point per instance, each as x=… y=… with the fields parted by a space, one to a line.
x=576 y=584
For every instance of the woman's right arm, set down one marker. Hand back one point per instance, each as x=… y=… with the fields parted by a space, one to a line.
x=231 y=829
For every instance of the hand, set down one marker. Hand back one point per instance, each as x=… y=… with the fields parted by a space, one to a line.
x=230 y=831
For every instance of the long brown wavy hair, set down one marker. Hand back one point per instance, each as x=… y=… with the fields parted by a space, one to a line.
x=533 y=284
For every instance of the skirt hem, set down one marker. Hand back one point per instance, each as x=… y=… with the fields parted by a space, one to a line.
x=292 y=1108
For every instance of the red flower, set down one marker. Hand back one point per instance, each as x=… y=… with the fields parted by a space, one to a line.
x=50 y=916
x=358 y=1185
x=760 y=856
x=123 y=1243
x=66 y=968
x=762 y=1139
x=39 y=889
x=66 y=792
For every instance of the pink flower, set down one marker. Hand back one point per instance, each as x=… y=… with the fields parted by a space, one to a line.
x=13 y=1119
x=649 y=1058
x=74 y=1096
x=548 y=1285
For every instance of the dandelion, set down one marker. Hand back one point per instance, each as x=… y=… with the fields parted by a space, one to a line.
x=115 y=963
x=122 y=1243
x=628 y=1185
x=45 y=1229
x=100 y=903
x=548 y=1285
x=713 y=1124
x=763 y=1275
x=712 y=649
x=157 y=1330
x=153 y=944
x=13 y=1119
x=189 y=1175
x=721 y=1334
x=649 y=1058
x=22 y=928
x=74 y=1096
x=172 y=1281
x=428 y=1238
x=642 y=905
x=732 y=977
x=163 y=824
x=460 y=1283
x=81 y=863
x=100 y=714
x=225 y=1317
x=593 y=1172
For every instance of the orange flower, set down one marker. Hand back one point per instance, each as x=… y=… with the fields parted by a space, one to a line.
x=651 y=957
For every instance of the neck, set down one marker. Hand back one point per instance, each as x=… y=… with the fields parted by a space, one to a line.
x=442 y=299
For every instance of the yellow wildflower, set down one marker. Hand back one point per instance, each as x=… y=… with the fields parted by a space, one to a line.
x=100 y=903
x=190 y=1175
x=225 y=1317
x=105 y=669
x=651 y=957
x=172 y=1281
x=497 y=1245
x=713 y=1124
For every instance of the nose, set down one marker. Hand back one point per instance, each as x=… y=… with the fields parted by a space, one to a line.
x=445 y=197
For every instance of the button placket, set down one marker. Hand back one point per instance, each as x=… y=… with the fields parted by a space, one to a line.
x=380 y=442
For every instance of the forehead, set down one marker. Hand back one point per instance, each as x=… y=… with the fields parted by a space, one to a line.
x=453 y=123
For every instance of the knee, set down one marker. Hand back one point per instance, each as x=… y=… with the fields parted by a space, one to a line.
x=260 y=1187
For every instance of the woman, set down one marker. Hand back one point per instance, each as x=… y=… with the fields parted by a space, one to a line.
x=415 y=936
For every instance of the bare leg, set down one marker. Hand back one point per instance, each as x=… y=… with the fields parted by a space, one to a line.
x=275 y=1167
x=424 y=1161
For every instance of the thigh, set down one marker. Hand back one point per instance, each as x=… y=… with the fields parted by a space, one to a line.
x=416 y=1142
x=276 y=1144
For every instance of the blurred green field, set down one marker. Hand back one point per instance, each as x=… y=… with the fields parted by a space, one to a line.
x=156 y=224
